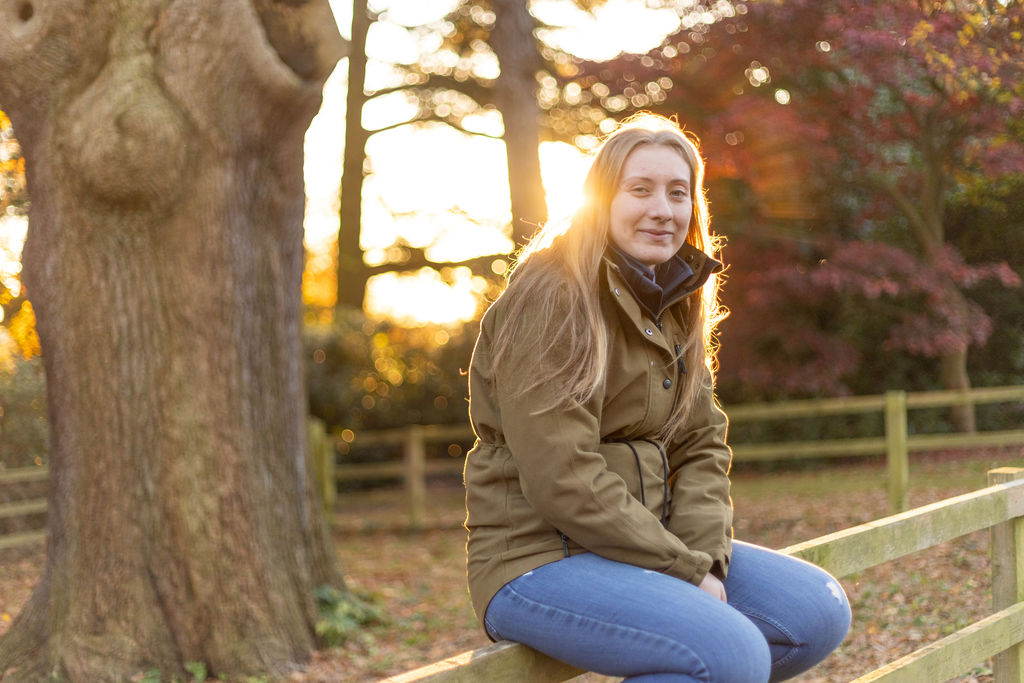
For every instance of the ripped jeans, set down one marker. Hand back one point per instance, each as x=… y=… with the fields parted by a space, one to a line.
x=783 y=617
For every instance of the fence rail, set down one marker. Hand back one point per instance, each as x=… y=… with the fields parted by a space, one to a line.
x=22 y=475
x=999 y=508
x=22 y=508
x=895 y=444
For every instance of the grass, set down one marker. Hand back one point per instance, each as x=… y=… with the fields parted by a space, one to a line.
x=417 y=580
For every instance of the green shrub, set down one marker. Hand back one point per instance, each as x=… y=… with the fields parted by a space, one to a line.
x=365 y=374
x=343 y=614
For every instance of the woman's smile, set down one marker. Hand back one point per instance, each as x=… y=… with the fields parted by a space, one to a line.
x=657 y=234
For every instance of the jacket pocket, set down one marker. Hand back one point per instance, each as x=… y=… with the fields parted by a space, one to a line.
x=642 y=466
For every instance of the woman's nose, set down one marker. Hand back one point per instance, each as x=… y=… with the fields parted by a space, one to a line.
x=657 y=206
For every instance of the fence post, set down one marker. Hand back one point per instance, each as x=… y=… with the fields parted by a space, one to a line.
x=896 y=458
x=1007 y=550
x=322 y=450
x=415 y=456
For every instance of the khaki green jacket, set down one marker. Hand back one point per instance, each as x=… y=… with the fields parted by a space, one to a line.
x=541 y=485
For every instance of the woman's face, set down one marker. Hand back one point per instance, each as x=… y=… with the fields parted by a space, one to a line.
x=651 y=208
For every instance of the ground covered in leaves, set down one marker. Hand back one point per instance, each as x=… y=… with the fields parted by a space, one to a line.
x=415 y=581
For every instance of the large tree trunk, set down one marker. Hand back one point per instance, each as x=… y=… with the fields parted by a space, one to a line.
x=516 y=98
x=352 y=272
x=932 y=237
x=953 y=371
x=925 y=216
x=164 y=257
x=953 y=365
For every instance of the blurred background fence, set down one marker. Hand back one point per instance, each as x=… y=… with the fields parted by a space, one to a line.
x=893 y=439
x=878 y=425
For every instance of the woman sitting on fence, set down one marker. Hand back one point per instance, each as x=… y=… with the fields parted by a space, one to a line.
x=597 y=493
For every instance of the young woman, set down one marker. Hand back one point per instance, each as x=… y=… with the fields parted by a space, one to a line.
x=597 y=494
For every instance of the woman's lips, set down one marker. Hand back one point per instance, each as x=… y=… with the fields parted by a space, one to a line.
x=657 y=234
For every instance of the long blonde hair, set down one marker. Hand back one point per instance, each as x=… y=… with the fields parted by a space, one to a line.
x=563 y=263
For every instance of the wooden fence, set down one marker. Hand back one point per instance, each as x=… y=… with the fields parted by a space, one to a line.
x=21 y=508
x=895 y=443
x=999 y=508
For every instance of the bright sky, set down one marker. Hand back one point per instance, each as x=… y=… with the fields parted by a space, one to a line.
x=438 y=188
x=433 y=186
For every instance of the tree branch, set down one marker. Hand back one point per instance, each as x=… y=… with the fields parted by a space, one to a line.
x=479 y=93
x=481 y=265
x=924 y=234
x=305 y=36
x=430 y=117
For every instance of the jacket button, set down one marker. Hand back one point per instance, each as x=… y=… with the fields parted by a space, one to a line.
x=648 y=331
x=617 y=292
x=667 y=384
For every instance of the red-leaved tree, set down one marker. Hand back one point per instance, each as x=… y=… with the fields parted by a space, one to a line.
x=916 y=99
x=849 y=126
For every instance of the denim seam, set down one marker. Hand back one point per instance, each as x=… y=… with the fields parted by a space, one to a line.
x=626 y=629
x=794 y=644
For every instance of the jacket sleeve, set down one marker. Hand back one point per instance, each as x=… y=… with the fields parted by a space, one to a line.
x=699 y=462
x=565 y=478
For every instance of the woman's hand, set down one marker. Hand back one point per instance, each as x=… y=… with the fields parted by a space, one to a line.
x=713 y=587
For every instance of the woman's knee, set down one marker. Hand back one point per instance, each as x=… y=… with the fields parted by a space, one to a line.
x=817 y=624
x=826 y=611
x=801 y=609
x=766 y=582
x=834 y=615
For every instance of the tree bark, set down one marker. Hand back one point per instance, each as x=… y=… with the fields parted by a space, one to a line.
x=953 y=364
x=953 y=371
x=513 y=42
x=164 y=259
x=352 y=272
x=932 y=239
x=925 y=217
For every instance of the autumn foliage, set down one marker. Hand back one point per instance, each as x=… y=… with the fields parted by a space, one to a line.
x=12 y=169
x=838 y=136
x=16 y=315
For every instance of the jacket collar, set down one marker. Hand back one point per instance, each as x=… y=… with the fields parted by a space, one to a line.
x=668 y=283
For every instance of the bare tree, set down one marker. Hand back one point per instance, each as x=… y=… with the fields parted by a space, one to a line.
x=506 y=29
x=164 y=259
x=516 y=98
x=352 y=273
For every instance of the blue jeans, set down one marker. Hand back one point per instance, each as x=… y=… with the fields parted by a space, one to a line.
x=783 y=617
